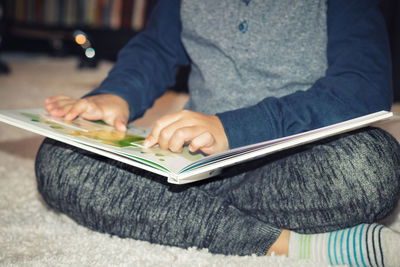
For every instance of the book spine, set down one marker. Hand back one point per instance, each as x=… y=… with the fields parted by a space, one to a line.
x=116 y=14
x=74 y=12
x=100 y=8
x=68 y=13
x=60 y=12
x=30 y=11
x=46 y=12
x=97 y=11
x=139 y=12
x=20 y=10
x=87 y=9
x=81 y=10
x=90 y=15
x=126 y=14
x=10 y=9
x=50 y=13
x=39 y=11
x=107 y=14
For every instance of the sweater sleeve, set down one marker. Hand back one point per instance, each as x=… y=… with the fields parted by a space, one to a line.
x=147 y=65
x=357 y=81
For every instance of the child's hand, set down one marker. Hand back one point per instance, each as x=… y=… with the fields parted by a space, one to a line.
x=203 y=132
x=110 y=108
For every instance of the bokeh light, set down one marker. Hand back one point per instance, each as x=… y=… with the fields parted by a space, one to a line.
x=80 y=39
x=90 y=52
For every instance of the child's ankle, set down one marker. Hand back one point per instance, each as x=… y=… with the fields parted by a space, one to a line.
x=281 y=245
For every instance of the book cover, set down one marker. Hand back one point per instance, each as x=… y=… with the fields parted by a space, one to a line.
x=179 y=168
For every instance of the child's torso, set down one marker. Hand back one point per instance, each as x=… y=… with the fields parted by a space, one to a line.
x=242 y=53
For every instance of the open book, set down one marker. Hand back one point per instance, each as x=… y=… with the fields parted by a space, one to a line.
x=180 y=168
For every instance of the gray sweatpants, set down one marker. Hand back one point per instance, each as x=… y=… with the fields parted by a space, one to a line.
x=335 y=183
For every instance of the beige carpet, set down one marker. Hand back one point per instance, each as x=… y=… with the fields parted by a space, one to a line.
x=33 y=235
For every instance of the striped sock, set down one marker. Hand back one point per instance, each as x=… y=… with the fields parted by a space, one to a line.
x=362 y=245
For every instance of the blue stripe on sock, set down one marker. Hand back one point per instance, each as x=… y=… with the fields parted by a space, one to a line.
x=373 y=244
x=367 y=245
x=334 y=247
x=348 y=250
x=361 y=252
x=354 y=246
x=341 y=247
x=380 y=247
x=329 y=249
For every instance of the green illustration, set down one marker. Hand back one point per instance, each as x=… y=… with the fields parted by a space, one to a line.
x=106 y=134
x=33 y=117
x=96 y=130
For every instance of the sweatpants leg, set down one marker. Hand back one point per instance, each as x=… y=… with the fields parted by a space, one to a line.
x=339 y=182
x=335 y=183
x=118 y=199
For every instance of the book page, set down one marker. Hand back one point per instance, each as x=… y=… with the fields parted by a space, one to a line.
x=103 y=136
x=263 y=148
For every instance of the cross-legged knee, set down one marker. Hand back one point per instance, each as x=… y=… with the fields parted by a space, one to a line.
x=371 y=172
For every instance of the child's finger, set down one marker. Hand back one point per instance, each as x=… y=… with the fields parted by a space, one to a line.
x=166 y=120
x=56 y=98
x=178 y=130
x=183 y=135
x=60 y=104
x=60 y=111
x=203 y=142
x=80 y=107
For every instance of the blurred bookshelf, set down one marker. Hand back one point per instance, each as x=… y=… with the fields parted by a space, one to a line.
x=55 y=27
x=50 y=26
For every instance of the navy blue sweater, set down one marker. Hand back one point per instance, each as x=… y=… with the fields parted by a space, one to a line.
x=357 y=81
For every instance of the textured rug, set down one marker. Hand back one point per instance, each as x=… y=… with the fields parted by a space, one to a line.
x=31 y=234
